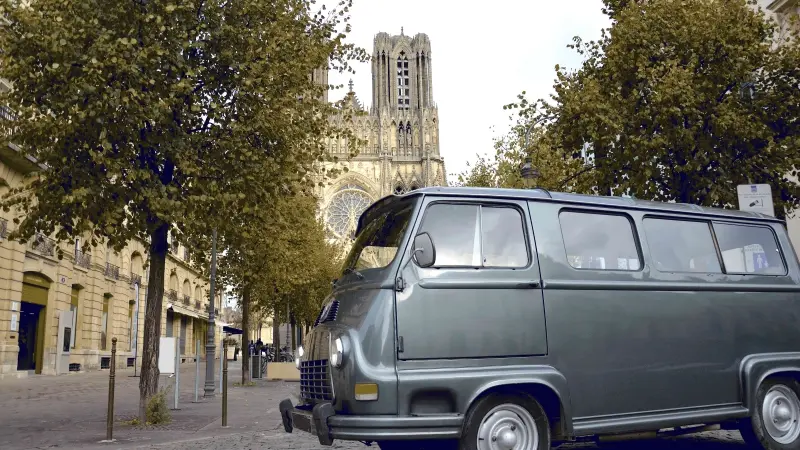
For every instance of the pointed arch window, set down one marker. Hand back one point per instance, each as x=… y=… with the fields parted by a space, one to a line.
x=403 y=83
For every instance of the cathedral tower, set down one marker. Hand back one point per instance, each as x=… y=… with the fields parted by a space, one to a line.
x=401 y=130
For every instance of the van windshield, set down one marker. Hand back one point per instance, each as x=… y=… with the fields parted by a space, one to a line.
x=377 y=244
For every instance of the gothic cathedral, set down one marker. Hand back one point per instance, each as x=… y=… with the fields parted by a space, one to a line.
x=401 y=132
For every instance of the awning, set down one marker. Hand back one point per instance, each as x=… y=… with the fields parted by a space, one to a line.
x=231 y=330
x=184 y=311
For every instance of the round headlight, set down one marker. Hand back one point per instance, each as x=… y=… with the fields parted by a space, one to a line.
x=337 y=353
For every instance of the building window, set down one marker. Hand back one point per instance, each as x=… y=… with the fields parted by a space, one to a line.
x=749 y=250
x=476 y=236
x=598 y=241
x=104 y=324
x=73 y=307
x=131 y=305
x=403 y=82
x=681 y=246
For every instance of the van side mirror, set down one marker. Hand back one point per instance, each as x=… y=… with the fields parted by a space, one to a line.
x=424 y=252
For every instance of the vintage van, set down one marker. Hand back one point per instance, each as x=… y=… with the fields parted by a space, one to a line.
x=514 y=319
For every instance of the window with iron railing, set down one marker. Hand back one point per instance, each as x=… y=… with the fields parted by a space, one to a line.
x=82 y=259
x=43 y=245
x=112 y=271
x=172 y=295
x=186 y=300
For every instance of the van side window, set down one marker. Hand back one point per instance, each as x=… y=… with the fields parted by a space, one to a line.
x=749 y=249
x=476 y=236
x=599 y=241
x=503 y=238
x=681 y=246
x=454 y=231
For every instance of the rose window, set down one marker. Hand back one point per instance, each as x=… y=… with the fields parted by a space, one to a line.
x=344 y=210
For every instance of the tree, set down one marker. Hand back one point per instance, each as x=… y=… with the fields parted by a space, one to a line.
x=163 y=117
x=526 y=139
x=683 y=101
x=280 y=259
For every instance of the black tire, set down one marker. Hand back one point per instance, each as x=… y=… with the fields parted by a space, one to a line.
x=755 y=432
x=521 y=402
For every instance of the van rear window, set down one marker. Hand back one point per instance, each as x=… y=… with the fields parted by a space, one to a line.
x=749 y=249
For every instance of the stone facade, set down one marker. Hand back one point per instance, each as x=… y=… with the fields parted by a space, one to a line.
x=35 y=286
x=400 y=128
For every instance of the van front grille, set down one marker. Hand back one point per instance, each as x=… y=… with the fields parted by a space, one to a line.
x=315 y=381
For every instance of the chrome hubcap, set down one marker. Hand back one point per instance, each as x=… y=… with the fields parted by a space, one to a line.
x=780 y=413
x=508 y=427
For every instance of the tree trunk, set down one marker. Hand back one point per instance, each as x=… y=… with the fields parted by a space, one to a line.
x=276 y=333
x=294 y=333
x=148 y=381
x=246 y=331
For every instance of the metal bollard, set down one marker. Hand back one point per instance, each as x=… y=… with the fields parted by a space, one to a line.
x=196 y=370
x=221 y=345
x=225 y=387
x=111 y=376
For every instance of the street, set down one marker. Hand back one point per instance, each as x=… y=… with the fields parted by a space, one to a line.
x=69 y=412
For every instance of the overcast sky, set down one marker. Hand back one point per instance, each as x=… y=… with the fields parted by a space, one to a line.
x=483 y=55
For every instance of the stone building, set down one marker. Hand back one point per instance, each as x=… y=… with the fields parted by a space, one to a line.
x=98 y=286
x=400 y=128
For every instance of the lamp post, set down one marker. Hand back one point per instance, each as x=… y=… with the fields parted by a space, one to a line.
x=529 y=173
x=209 y=387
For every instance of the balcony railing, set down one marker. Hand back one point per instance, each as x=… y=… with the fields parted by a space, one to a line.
x=136 y=279
x=7 y=114
x=83 y=259
x=112 y=271
x=186 y=300
x=172 y=296
x=3 y=228
x=43 y=245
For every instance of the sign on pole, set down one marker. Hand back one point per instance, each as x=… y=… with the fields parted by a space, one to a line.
x=756 y=198
x=166 y=355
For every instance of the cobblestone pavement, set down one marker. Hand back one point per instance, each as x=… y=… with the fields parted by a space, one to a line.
x=300 y=441
x=69 y=412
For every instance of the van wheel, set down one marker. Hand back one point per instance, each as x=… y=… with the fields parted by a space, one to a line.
x=506 y=422
x=776 y=422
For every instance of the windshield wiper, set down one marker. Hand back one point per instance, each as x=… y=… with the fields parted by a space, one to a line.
x=350 y=270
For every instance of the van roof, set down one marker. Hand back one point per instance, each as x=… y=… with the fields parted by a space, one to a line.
x=599 y=200
x=576 y=199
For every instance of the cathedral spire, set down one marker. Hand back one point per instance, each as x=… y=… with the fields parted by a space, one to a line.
x=401 y=32
x=350 y=85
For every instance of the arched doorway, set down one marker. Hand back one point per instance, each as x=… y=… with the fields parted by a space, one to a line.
x=35 y=289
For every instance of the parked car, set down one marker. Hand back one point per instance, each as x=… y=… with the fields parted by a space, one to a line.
x=523 y=318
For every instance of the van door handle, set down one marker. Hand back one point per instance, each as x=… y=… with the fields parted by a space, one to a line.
x=535 y=284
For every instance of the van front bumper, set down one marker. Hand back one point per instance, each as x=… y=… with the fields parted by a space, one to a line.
x=323 y=422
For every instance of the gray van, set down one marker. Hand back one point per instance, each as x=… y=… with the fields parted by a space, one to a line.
x=515 y=319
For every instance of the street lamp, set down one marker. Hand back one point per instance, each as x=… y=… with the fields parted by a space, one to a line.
x=529 y=173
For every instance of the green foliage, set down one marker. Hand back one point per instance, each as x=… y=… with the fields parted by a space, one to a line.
x=157 y=412
x=148 y=117
x=557 y=171
x=664 y=99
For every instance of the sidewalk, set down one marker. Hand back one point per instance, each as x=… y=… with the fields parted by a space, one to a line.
x=69 y=411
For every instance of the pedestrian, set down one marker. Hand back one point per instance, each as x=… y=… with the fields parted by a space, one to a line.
x=250 y=348
x=236 y=353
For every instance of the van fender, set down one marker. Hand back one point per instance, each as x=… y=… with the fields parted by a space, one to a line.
x=546 y=376
x=754 y=369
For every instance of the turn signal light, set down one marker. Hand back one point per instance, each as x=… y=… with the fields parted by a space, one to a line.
x=366 y=391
